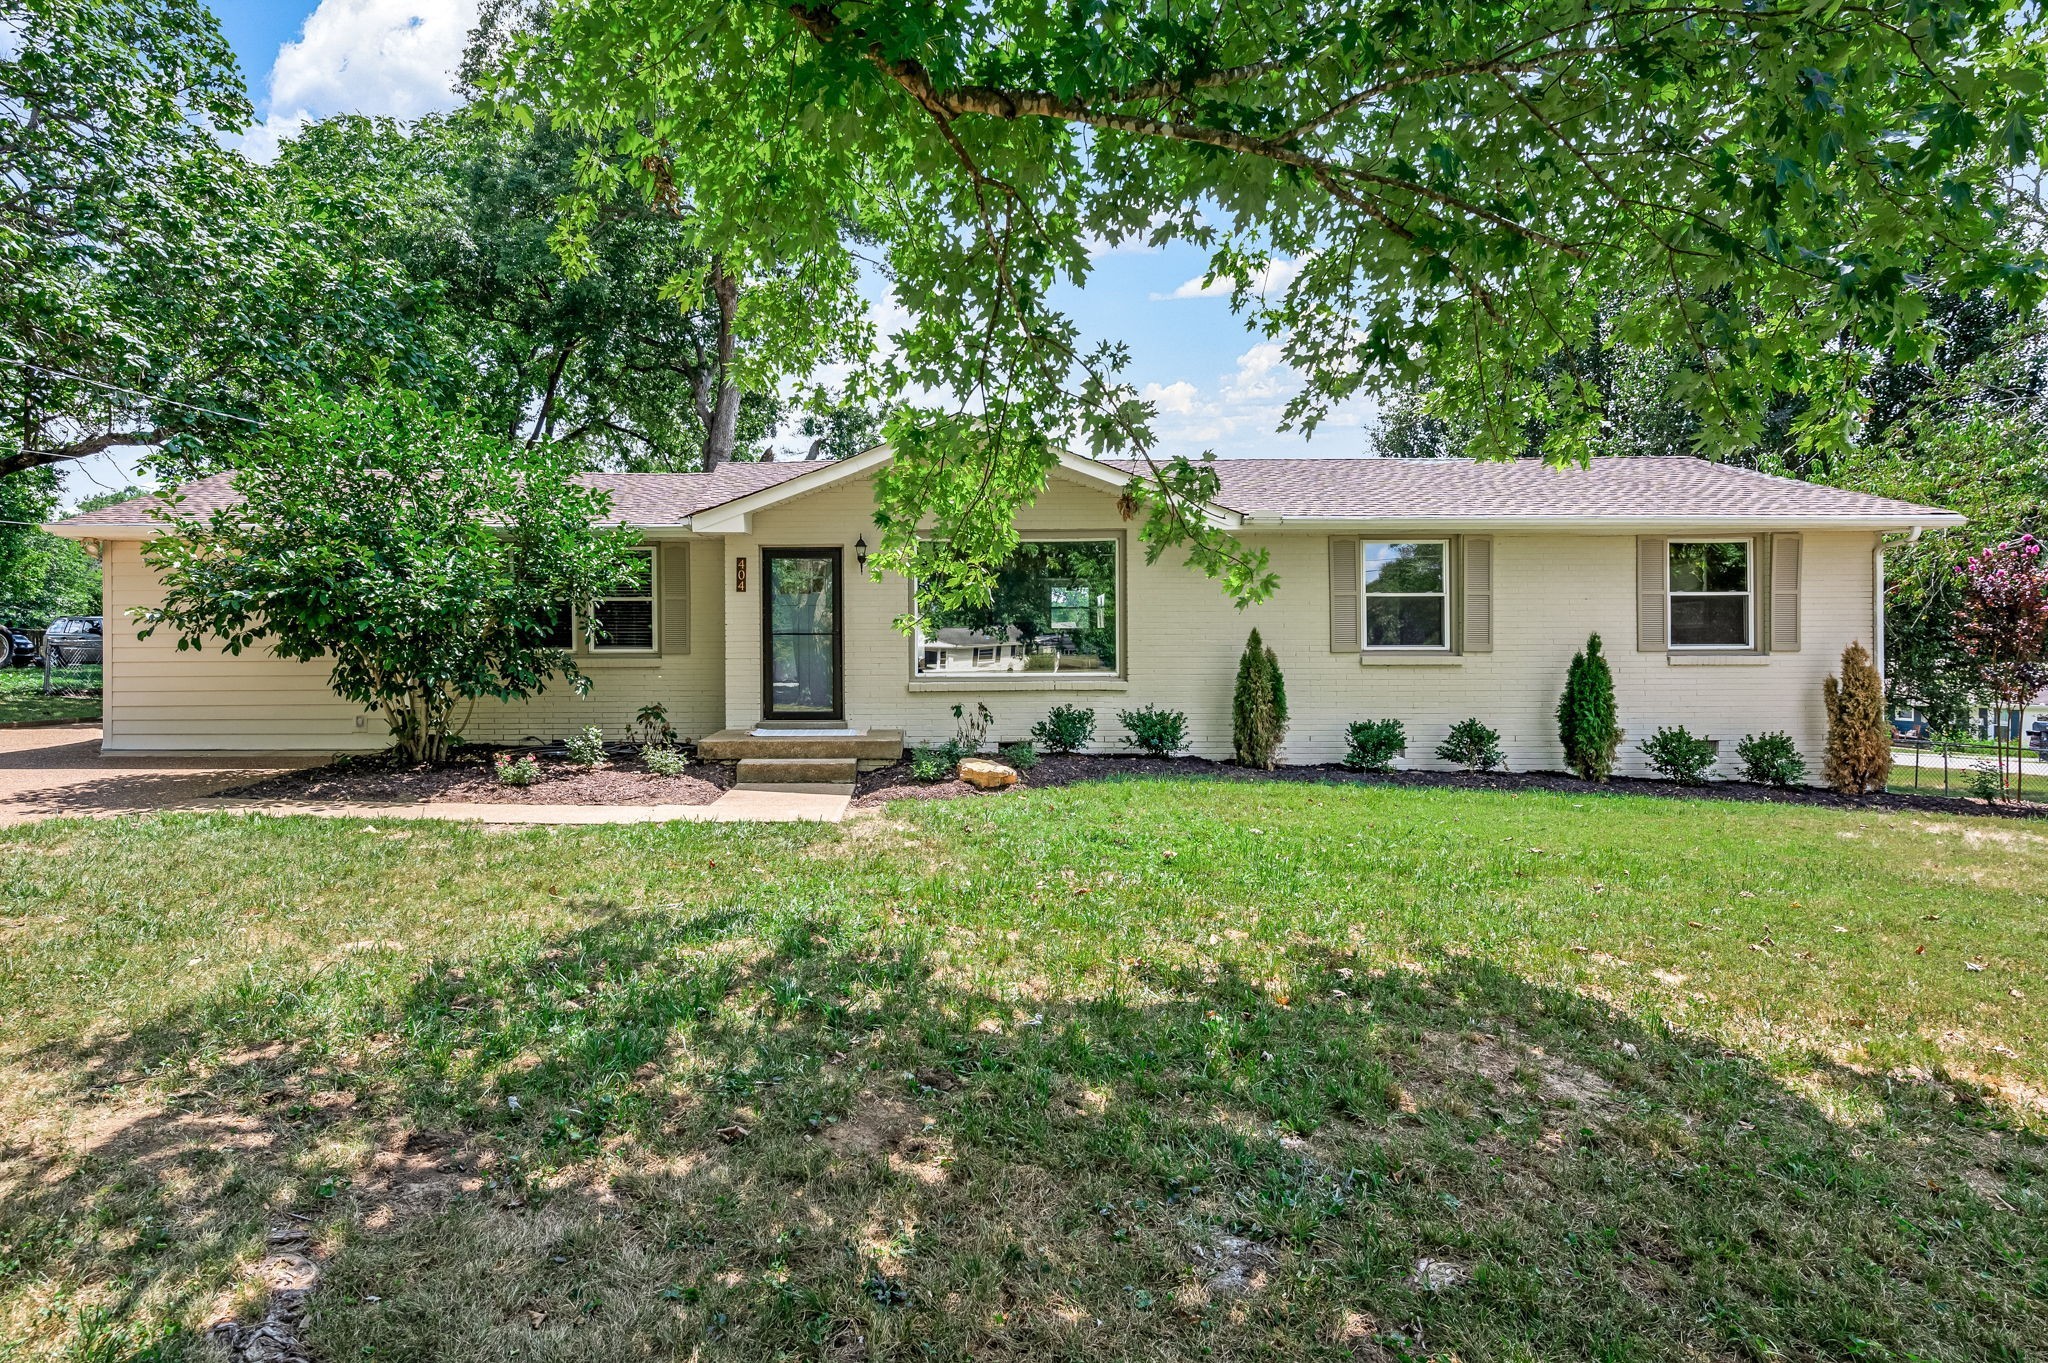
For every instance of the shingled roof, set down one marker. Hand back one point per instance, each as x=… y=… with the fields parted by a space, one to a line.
x=644 y=499
x=1626 y=491
x=1645 y=488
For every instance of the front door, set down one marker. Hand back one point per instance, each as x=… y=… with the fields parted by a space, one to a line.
x=801 y=649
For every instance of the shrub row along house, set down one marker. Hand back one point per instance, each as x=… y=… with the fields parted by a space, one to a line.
x=1425 y=590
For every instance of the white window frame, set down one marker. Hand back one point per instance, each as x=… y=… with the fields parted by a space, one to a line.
x=1748 y=595
x=653 y=600
x=1021 y=677
x=1365 y=595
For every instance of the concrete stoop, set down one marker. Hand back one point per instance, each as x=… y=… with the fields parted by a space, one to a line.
x=800 y=763
x=805 y=775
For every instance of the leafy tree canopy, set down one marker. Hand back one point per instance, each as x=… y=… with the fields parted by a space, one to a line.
x=113 y=192
x=1461 y=187
x=424 y=558
x=1975 y=441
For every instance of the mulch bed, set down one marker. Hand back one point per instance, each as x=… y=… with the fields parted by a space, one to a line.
x=470 y=779
x=626 y=781
x=894 y=783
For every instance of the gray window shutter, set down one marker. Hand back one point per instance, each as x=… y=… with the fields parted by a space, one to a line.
x=1653 y=570
x=673 y=584
x=1785 y=553
x=1478 y=622
x=1344 y=587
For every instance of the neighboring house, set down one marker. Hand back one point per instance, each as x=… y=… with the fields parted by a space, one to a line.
x=1424 y=591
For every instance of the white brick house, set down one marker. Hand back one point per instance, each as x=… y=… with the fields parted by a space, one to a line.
x=1424 y=591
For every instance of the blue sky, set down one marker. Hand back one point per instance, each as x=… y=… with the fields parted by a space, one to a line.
x=1217 y=385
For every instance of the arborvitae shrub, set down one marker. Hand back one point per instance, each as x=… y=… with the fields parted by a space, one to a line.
x=1256 y=722
x=1859 y=736
x=1586 y=724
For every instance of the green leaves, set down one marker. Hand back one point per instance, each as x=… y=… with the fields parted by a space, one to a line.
x=423 y=558
x=1471 y=193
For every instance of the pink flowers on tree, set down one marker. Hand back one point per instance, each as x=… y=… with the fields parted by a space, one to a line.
x=2002 y=624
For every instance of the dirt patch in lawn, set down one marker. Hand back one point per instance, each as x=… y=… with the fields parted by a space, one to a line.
x=1054 y=770
x=472 y=779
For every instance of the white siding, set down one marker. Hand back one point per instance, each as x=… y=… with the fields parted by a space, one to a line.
x=158 y=698
x=1182 y=640
x=1181 y=643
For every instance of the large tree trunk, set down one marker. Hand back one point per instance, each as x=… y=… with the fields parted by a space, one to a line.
x=722 y=419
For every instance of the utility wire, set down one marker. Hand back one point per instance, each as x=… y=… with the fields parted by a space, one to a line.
x=131 y=392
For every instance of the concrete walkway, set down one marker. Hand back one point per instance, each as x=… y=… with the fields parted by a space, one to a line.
x=60 y=772
x=735 y=806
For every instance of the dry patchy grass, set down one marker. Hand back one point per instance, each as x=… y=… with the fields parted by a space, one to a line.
x=1136 y=1071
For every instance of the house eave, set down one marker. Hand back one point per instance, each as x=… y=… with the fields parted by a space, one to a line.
x=1609 y=524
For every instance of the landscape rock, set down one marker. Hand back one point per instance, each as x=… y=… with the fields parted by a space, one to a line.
x=979 y=771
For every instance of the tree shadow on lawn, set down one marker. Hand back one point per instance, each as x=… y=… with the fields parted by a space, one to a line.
x=744 y=1135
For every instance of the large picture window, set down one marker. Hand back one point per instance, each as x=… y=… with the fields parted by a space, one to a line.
x=1407 y=602
x=1710 y=594
x=622 y=620
x=1053 y=610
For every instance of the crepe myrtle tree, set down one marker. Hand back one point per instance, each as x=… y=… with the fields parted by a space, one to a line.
x=424 y=558
x=1391 y=190
x=2002 y=625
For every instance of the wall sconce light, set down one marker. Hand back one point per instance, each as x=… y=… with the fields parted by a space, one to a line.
x=860 y=552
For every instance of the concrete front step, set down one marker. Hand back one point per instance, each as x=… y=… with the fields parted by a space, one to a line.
x=872 y=748
x=809 y=775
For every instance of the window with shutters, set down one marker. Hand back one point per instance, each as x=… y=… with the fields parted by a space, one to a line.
x=623 y=619
x=1710 y=590
x=1407 y=596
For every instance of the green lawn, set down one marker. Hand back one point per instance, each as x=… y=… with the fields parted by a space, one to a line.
x=22 y=698
x=1135 y=1070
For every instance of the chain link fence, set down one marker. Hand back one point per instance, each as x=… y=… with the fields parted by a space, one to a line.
x=66 y=666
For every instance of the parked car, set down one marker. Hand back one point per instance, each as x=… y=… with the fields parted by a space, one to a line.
x=73 y=640
x=16 y=648
x=2037 y=737
x=1911 y=728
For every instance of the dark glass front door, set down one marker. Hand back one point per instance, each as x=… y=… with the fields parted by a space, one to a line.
x=801 y=650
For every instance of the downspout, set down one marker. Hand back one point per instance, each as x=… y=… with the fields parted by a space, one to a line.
x=1877 y=577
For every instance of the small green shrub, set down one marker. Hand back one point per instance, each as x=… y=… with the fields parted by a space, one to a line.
x=1984 y=781
x=1472 y=745
x=587 y=748
x=652 y=728
x=935 y=762
x=1375 y=743
x=522 y=770
x=1065 y=728
x=1770 y=760
x=1586 y=726
x=664 y=761
x=1675 y=753
x=1161 y=733
x=1022 y=756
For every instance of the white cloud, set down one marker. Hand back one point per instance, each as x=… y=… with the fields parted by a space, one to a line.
x=395 y=58
x=1274 y=278
x=1239 y=413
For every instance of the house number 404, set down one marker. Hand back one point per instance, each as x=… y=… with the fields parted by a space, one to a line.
x=739 y=573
